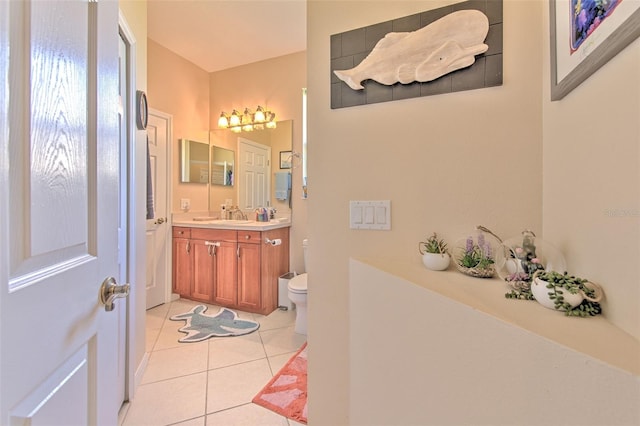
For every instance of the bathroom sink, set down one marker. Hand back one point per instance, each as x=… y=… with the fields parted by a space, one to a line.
x=228 y=222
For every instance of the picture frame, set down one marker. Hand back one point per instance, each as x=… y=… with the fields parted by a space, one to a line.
x=572 y=64
x=285 y=159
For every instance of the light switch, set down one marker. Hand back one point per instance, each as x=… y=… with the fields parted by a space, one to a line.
x=356 y=214
x=370 y=215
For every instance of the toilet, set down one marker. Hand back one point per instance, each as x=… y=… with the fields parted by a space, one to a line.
x=298 y=295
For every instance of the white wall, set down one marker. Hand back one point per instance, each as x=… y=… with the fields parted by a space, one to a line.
x=592 y=181
x=434 y=360
x=447 y=163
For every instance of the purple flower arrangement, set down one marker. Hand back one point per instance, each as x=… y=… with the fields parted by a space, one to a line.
x=477 y=255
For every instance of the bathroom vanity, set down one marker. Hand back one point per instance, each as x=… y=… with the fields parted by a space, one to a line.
x=235 y=264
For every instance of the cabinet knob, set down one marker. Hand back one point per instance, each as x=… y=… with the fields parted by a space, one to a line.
x=247 y=237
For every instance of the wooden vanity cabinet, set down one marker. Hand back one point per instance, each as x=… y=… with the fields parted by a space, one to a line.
x=259 y=266
x=182 y=261
x=232 y=268
x=214 y=260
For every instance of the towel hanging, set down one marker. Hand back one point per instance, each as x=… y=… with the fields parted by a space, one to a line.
x=283 y=185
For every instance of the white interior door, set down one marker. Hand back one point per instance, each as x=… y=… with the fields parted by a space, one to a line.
x=158 y=255
x=255 y=170
x=59 y=181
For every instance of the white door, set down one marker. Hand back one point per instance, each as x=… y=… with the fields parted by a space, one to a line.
x=59 y=178
x=158 y=254
x=254 y=171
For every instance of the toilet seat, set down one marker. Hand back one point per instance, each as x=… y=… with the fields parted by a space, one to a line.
x=298 y=284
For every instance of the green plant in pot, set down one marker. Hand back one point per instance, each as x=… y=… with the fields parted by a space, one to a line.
x=563 y=292
x=435 y=255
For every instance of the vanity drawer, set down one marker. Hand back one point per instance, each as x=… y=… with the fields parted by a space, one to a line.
x=181 y=232
x=214 y=234
x=252 y=237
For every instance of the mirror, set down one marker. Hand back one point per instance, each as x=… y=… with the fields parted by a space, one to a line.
x=222 y=161
x=194 y=161
x=278 y=140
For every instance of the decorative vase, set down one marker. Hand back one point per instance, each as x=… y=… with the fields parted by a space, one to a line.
x=436 y=261
x=542 y=293
x=474 y=255
x=525 y=254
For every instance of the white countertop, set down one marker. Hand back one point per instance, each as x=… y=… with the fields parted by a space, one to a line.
x=212 y=223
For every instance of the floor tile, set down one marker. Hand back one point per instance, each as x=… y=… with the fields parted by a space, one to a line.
x=226 y=351
x=219 y=376
x=189 y=358
x=236 y=385
x=282 y=340
x=278 y=361
x=168 y=401
x=247 y=415
x=276 y=319
x=200 y=421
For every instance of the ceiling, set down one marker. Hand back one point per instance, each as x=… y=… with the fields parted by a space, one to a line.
x=220 y=34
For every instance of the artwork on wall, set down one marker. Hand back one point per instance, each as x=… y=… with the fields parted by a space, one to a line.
x=448 y=49
x=443 y=46
x=586 y=34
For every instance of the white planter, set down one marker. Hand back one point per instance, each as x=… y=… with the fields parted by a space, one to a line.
x=436 y=261
x=541 y=293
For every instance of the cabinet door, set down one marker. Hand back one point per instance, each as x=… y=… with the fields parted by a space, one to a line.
x=182 y=266
x=225 y=290
x=249 y=289
x=203 y=271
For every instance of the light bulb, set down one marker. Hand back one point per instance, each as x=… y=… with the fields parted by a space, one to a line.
x=223 y=121
x=234 y=120
x=259 y=116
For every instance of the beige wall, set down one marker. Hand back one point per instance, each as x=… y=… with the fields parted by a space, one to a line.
x=447 y=163
x=592 y=181
x=464 y=159
x=276 y=84
x=195 y=99
x=135 y=15
x=180 y=88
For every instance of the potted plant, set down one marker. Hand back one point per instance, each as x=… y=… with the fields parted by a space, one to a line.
x=474 y=257
x=563 y=292
x=434 y=253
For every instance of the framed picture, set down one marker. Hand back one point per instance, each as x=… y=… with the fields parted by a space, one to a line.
x=585 y=34
x=285 y=159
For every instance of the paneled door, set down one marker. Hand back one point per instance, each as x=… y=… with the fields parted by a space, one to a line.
x=158 y=228
x=254 y=169
x=59 y=189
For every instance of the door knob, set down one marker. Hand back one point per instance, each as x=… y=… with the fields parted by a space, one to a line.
x=110 y=291
x=160 y=221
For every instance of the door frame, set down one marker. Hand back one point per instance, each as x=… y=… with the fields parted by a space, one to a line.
x=136 y=357
x=168 y=182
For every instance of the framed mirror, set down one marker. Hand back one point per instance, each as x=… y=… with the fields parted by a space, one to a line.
x=277 y=140
x=194 y=161
x=222 y=166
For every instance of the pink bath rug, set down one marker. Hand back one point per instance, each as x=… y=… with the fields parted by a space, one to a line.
x=286 y=392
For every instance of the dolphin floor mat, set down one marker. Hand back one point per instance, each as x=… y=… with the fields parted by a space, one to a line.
x=200 y=327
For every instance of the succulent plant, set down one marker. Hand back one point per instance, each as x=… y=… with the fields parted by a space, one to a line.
x=432 y=245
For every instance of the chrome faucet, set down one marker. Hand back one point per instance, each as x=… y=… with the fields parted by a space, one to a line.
x=236 y=214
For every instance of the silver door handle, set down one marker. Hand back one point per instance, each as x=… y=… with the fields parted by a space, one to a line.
x=110 y=290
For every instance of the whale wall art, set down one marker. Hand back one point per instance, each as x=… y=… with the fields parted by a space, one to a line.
x=449 y=49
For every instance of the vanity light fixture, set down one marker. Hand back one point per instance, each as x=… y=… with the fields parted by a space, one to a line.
x=248 y=120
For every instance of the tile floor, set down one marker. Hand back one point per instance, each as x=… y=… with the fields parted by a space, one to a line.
x=211 y=382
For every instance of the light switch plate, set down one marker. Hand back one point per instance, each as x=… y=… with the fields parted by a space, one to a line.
x=370 y=215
